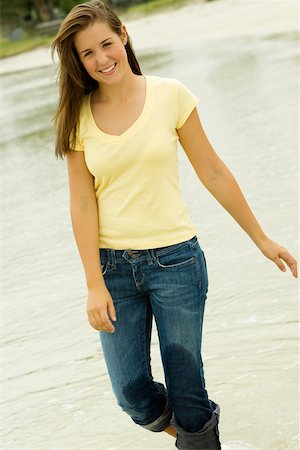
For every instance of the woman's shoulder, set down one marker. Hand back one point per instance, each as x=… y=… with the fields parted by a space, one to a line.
x=162 y=81
x=169 y=87
x=165 y=87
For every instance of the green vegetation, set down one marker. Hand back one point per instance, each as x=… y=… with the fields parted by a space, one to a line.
x=152 y=6
x=10 y=48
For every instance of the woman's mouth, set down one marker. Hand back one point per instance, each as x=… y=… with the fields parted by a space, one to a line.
x=108 y=70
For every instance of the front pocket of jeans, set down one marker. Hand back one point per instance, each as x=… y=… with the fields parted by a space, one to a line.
x=104 y=268
x=175 y=259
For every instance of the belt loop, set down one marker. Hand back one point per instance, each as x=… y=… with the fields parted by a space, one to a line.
x=108 y=256
x=152 y=257
x=113 y=259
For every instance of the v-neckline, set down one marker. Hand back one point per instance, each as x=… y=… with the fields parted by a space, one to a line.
x=132 y=127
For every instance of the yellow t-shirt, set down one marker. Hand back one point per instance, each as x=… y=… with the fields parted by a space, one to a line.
x=136 y=174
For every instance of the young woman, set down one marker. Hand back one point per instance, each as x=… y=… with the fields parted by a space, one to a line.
x=119 y=130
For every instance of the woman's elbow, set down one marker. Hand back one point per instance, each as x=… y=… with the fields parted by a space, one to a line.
x=83 y=204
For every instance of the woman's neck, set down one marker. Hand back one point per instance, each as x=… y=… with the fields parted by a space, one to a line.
x=120 y=92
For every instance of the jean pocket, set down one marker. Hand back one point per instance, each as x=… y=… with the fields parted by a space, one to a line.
x=194 y=242
x=104 y=267
x=177 y=258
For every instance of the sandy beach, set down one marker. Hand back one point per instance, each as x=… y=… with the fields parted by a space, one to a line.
x=216 y=19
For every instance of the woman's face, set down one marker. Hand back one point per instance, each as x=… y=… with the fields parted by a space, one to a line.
x=102 y=52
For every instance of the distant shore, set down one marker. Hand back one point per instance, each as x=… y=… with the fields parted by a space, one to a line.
x=215 y=19
x=29 y=42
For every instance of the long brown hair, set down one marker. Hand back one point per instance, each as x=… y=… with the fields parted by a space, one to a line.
x=74 y=81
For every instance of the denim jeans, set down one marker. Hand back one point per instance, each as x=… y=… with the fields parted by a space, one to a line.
x=170 y=284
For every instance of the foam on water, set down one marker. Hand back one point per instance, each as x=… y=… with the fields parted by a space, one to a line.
x=238 y=445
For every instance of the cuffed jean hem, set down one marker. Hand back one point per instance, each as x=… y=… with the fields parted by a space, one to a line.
x=205 y=439
x=162 y=422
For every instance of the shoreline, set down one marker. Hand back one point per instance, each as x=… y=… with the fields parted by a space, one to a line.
x=221 y=18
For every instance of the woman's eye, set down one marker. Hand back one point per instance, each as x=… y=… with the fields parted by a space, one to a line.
x=107 y=44
x=87 y=54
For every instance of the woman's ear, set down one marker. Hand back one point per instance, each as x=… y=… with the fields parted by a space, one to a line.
x=124 y=36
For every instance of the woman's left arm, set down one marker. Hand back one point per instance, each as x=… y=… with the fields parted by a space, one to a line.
x=219 y=181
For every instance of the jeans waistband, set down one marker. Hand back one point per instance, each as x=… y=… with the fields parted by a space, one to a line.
x=151 y=253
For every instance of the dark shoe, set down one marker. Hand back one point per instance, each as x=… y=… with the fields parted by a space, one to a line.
x=205 y=439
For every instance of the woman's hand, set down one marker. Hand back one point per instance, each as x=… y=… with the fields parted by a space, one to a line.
x=277 y=254
x=100 y=309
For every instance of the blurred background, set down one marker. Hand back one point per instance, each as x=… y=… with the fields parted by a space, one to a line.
x=26 y=24
x=241 y=58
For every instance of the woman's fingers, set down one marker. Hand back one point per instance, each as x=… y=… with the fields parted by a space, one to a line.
x=112 y=311
x=100 y=321
x=279 y=254
x=290 y=262
x=105 y=322
x=100 y=309
x=94 y=320
x=279 y=264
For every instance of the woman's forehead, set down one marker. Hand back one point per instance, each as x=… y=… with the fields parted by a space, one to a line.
x=96 y=30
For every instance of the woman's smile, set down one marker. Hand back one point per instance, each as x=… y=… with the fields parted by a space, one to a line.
x=109 y=70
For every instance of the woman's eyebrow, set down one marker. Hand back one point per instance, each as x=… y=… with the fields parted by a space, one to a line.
x=88 y=49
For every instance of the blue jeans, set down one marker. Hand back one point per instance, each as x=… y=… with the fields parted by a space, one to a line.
x=170 y=284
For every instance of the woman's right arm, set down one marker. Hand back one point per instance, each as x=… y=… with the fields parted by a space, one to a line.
x=84 y=216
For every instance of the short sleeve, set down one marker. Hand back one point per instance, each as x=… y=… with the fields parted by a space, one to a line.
x=185 y=103
x=77 y=143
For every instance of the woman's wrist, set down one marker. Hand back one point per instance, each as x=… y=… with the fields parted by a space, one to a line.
x=95 y=281
x=260 y=239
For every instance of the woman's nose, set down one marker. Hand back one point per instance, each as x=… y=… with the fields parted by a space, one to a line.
x=101 y=59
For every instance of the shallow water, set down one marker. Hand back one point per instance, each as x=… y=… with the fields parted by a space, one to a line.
x=55 y=390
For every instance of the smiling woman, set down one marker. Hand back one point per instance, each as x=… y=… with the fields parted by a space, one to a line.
x=119 y=130
x=74 y=80
x=103 y=55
